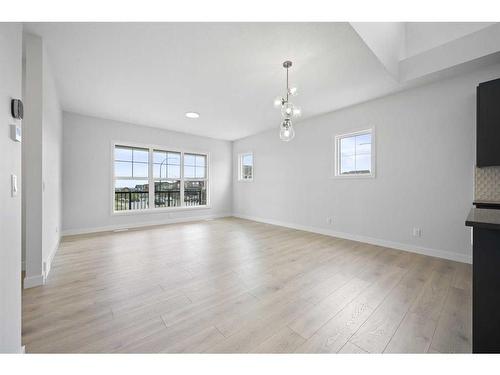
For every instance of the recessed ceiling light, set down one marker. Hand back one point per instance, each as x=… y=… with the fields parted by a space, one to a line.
x=192 y=114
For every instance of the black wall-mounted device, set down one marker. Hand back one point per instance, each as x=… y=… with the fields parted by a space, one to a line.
x=16 y=108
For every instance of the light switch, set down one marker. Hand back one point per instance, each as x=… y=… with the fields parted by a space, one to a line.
x=13 y=183
x=15 y=133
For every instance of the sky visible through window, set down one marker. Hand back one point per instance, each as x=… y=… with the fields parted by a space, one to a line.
x=131 y=163
x=247 y=159
x=194 y=166
x=166 y=165
x=355 y=154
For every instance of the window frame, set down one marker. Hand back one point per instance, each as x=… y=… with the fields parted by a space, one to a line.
x=184 y=179
x=337 y=158
x=155 y=179
x=131 y=177
x=151 y=148
x=240 y=167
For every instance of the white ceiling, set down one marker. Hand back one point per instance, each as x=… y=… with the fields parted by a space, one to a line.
x=152 y=73
x=422 y=36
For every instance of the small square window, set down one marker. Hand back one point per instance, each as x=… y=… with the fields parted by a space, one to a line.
x=245 y=166
x=355 y=154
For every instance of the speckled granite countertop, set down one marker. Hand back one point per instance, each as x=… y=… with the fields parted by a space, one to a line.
x=486 y=218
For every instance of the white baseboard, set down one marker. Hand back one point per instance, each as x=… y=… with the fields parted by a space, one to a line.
x=354 y=237
x=48 y=262
x=374 y=241
x=72 y=232
x=33 y=281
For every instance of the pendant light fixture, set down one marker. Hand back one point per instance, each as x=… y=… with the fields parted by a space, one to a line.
x=288 y=110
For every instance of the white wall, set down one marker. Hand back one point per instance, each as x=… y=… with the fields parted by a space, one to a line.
x=32 y=159
x=51 y=165
x=42 y=167
x=87 y=163
x=10 y=208
x=424 y=177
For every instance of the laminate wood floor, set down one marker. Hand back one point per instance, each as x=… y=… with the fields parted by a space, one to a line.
x=232 y=285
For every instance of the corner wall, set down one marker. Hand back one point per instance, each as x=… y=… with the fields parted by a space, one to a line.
x=51 y=166
x=42 y=168
x=32 y=159
x=425 y=147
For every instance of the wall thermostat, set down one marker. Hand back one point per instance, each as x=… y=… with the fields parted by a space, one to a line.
x=15 y=133
x=16 y=109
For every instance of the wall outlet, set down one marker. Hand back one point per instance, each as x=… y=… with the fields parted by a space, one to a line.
x=417 y=232
x=329 y=220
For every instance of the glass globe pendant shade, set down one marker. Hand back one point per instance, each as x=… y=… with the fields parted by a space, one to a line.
x=286 y=131
x=287 y=110
x=293 y=91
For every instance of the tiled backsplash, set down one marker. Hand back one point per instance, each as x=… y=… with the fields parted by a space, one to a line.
x=487 y=185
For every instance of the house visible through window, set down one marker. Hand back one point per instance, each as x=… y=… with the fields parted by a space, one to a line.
x=354 y=154
x=246 y=167
x=147 y=178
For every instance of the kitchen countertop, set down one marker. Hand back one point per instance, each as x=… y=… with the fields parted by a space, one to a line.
x=486 y=204
x=483 y=201
x=486 y=218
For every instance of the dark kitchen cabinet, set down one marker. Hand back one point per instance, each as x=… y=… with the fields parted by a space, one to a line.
x=486 y=286
x=485 y=279
x=488 y=124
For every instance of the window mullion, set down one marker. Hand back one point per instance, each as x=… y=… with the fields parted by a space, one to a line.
x=182 y=180
x=132 y=164
x=241 y=167
x=151 y=179
x=355 y=153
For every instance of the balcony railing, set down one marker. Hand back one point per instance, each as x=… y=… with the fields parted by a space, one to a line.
x=194 y=197
x=132 y=200
x=169 y=198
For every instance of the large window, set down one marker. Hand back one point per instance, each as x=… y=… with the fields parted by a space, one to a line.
x=354 y=154
x=152 y=178
x=245 y=167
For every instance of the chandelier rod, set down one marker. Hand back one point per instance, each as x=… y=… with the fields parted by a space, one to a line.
x=287 y=84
